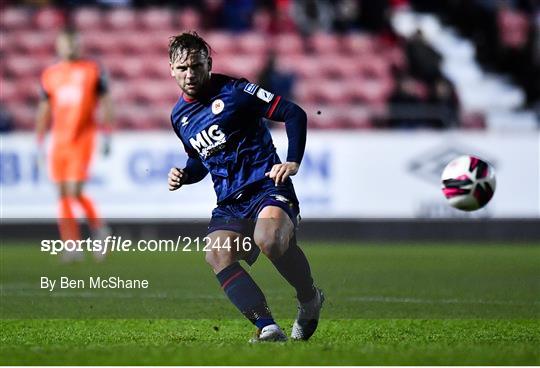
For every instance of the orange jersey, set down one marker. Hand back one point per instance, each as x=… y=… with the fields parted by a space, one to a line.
x=72 y=88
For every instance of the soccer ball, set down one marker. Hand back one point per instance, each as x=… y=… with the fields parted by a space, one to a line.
x=468 y=183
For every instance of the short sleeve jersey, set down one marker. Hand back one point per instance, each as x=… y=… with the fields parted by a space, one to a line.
x=225 y=130
x=72 y=89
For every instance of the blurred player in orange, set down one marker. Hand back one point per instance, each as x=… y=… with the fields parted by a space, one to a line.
x=71 y=91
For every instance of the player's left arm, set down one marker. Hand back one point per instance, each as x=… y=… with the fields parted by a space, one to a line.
x=107 y=106
x=43 y=116
x=295 y=119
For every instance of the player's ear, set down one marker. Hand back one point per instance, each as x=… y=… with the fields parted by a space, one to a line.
x=171 y=67
x=209 y=63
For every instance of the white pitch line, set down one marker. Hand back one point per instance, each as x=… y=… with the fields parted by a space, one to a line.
x=391 y=299
x=217 y=296
x=108 y=294
x=17 y=285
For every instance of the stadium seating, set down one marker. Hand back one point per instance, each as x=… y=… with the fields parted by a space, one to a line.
x=287 y=44
x=87 y=20
x=347 y=75
x=324 y=44
x=121 y=19
x=14 y=18
x=252 y=43
x=358 y=44
x=156 y=19
x=47 y=19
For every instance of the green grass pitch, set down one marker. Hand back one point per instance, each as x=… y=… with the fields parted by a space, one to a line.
x=435 y=304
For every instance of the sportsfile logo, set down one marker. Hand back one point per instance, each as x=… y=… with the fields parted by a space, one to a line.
x=113 y=243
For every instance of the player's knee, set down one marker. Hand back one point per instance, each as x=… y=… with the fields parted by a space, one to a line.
x=218 y=260
x=77 y=193
x=71 y=194
x=63 y=191
x=273 y=243
x=68 y=196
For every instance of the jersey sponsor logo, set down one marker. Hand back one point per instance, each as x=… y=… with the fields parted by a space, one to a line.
x=69 y=95
x=217 y=106
x=250 y=88
x=184 y=121
x=78 y=76
x=265 y=95
x=208 y=141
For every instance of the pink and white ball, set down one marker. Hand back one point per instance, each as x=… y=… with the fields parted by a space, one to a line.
x=468 y=183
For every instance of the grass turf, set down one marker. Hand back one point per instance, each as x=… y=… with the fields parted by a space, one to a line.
x=387 y=304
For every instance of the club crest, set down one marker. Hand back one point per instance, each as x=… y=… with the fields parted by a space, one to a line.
x=217 y=106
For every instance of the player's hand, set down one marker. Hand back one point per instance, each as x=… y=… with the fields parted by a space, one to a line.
x=177 y=177
x=280 y=172
x=106 y=148
x=41 y=157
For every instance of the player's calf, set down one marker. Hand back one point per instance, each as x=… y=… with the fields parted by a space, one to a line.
x=217 y=257
x=100 y=233
x=237 y=284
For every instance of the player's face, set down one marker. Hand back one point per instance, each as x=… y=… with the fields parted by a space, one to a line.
x=67 y=46
x=191 y=72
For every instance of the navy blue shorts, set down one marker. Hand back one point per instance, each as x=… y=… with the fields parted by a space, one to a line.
x=240 y=214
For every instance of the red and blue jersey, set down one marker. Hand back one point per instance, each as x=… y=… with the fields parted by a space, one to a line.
x=225 y=131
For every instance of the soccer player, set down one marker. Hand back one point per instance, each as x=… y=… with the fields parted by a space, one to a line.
x=219 y=121
x=71 y=91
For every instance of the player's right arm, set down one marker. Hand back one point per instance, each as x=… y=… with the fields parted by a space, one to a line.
x=192 y=173
x=106 y=102
x=43 y=117
x=43 y=114
x=176 y=178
